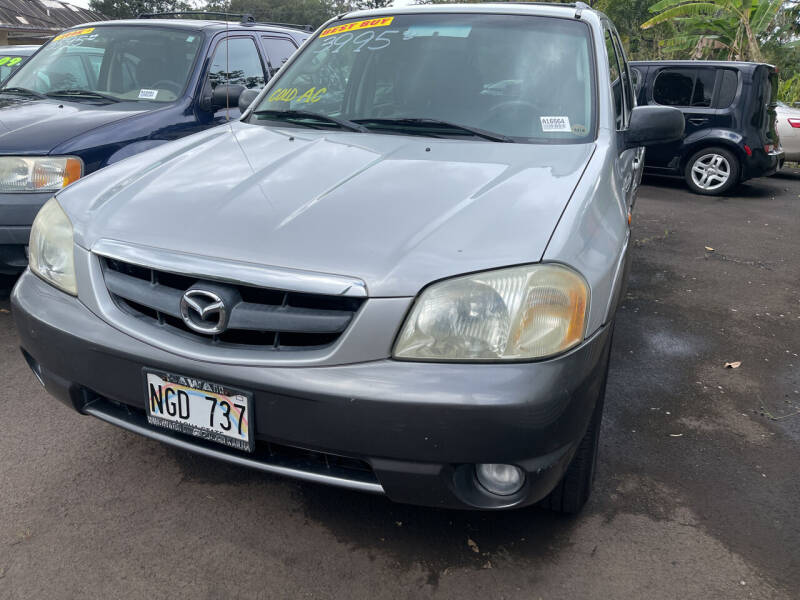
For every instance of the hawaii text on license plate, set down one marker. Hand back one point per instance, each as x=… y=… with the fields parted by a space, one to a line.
x=200 y=408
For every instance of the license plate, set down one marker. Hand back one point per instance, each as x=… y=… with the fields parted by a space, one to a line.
x=207 y=410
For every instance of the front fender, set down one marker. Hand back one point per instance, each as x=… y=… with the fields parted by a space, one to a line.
x=134 y=148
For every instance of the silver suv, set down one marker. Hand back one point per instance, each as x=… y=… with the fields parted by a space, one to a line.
x=396 y=273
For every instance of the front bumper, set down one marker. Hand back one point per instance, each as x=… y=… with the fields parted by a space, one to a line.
x=17 y=212
x=418 y=427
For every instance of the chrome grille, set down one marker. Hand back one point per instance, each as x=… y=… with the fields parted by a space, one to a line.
x=259 y=317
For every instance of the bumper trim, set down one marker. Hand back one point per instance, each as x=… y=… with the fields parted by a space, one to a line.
x=116 y=415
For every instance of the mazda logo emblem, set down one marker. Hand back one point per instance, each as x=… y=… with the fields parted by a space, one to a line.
x=203 y=311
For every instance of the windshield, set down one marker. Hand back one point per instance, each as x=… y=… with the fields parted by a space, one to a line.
x=519 y=78
x=119 y=63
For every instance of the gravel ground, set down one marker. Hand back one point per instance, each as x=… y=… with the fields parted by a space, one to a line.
x=697 y=484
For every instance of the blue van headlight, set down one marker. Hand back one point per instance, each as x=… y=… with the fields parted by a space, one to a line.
x=38 y=173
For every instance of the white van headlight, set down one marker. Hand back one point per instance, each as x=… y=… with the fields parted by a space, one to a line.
x=517 y=313
x=50 y=252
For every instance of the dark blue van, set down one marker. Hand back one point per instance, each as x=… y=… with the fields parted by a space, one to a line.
x=101 y=92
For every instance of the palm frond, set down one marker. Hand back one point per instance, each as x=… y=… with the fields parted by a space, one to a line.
x=764 y=15
x=694 y=9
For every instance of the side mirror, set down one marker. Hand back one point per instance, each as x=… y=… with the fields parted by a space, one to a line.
x=246 y=99
x=226 y=95
x=221 y=96
x=654 y=125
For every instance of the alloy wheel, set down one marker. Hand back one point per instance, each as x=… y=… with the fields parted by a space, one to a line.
x=711 y=171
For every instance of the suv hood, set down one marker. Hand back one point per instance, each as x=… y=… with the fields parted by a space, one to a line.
x=34 y=126
x=395 y=211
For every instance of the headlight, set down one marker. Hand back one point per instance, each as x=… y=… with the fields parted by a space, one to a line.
x=39 y=173
x=51 y=254
x=509 y=314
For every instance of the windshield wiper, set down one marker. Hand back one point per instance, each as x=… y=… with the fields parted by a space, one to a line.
x=418 y=123
x=21 y=90
x=81 y=94
x=299 y=115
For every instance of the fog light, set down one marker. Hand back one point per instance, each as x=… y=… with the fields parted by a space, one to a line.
x=502 y=480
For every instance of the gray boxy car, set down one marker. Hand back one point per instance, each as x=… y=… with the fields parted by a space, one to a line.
x=397 y=273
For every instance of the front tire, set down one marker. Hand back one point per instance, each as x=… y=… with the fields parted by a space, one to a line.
x=574 y=489
x=712 y=171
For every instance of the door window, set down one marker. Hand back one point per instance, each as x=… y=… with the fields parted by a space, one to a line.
x=278 y=52
x=703 y=87
x=236 y=62
x=728 y=87
x=684 y=87
x=615 y=82
x=627 y=87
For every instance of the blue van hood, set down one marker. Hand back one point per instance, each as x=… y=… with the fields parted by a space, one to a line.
x=38 y=126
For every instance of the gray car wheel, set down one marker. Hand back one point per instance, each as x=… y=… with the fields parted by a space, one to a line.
x=712 y=171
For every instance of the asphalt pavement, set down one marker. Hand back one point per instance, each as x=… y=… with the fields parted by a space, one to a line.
x=697 y=487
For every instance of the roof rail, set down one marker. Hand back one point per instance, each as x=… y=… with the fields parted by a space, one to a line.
x=195 y=13
x=289 y=25
x=244 y=18
x=579 y=7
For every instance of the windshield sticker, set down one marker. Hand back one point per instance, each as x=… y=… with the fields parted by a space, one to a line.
x=190 y=39
x=148 y=94
x=356 y=25
x=579 y=129
x=73 y=33
x=10 y=61
x=288 y=94
x=456 y=31
x=550 y=124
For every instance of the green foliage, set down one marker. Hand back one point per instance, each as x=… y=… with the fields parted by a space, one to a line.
x=627 y=16
x=724 y=29
x=128 y=9
x=729 y=29
x=305 y=12
x=789 y=89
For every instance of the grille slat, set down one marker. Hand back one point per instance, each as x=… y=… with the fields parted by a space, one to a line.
x=257 y=317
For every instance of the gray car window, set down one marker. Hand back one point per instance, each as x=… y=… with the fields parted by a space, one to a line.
x=8 y=64
x=529 y=78
x=615 y=81
x=627 y=85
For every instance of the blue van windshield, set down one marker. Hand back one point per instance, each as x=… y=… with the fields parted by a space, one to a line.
x=122 y=63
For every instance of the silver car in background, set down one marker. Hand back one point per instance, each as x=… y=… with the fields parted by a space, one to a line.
x=397 y=273
x=12 y=58
x=788 y=126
